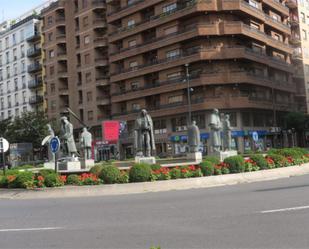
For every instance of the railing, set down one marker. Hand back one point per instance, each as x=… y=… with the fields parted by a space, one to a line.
x=36 y=99
x=125 y=7
x=34 y=67
x=33 y=51
x=35 y=83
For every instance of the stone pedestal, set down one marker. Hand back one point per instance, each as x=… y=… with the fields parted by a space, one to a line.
x=69 y=166
x=195 y=156
x=87 y=164
x=49 y=165
x=148 y=160
x=224 y=154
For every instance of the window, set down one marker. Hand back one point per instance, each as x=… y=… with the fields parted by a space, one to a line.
x=52 y=70
x=14 y=39
x=246 y=119
x=52 y=87
x=88 y=77
x=90 y=115
x=257 y=49
x=134 y=86
x=24 y=97
x=51 y=53
x=175 y=99
x=136 y=106
x=277 y=37
x=49 y=20
x=86 y=39
x=159 y=126
x=23 y=67
x=7 y=42
x=15 y=69
x=16 y=84
x=85 y=21
x=200 y=120
x=169 y=8
x=304 y=34
x=89 y=96
x=132 y=43
x=87 y=58
x=16 y=112
x=133 y=64
x=50 y=36
x=173 y=53
x=170 y=30
x=22 y=35
x=131 y=23
x=22 y=51
x=174 y=75
x=255 y=25
x=14 y=54
x=303 y=17
x=23 y=81
x=16 y=98
x=24 y=108
x=8 y=75
x=9 y=101
x=7 y=55
x=254 y=4
x=179 y=124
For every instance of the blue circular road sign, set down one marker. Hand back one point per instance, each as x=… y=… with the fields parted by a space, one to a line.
x=255 y=136
x=54 y=144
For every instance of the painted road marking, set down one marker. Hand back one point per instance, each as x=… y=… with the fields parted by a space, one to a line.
x=30 y=229
x=285 y=209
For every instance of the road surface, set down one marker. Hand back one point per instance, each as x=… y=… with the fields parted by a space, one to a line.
x=273 y=214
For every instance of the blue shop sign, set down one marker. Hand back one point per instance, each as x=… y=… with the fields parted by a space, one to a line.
x=183 y=138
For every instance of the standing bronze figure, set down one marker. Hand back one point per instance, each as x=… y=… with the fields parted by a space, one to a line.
x=144 y=143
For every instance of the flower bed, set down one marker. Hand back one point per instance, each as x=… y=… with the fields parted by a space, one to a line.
x=108 y=174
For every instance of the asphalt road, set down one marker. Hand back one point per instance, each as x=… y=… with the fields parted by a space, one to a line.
x=272 y=214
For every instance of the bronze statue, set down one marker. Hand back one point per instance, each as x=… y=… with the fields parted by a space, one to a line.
x=193 y=137
x=144 y=143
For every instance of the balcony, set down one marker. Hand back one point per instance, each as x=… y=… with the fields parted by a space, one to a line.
x=203 y=79
x=291 y=4
x=33 y=52
x=299 y=73
x=153 y=21
x=62 y=56
x=60 y=21
x=35 y=37
x=103 y=100
x=62 y=74
x=101 y=62
x=64 y=91
x=61 y=38
x=277 y=5
x=102 y=81
x=99 y=23
x=100 y=42
x=34 y=100
x=98 y=4
x=35 y=83
x=295 y=39
x=294 y=21
x=208 y=103
x=297 y=55
x=199 y=54
x=35 y=67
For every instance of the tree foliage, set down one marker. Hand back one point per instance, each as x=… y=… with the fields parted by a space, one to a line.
x=296 y=120
x=30 y=127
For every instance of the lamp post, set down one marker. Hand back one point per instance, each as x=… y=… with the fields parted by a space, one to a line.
x=188 y=94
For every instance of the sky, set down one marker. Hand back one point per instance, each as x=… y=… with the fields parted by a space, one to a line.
x=11 y=9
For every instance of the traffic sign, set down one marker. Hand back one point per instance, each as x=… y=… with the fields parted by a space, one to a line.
x=54 y=145
x=255 y=136
x=4 y=145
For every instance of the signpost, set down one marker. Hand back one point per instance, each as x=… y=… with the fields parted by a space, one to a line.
x=4 y=147
x=54 y=148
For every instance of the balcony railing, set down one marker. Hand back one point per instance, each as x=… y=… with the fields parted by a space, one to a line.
x=34 y=67
x=31 y=52
x=36 y=100
x=35 y=83
x=125 y=7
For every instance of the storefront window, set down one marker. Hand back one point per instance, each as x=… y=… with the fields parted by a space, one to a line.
x=200 y=120
x=246 y=119
x=179 y=124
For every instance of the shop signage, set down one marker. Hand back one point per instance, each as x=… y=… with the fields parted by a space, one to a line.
x=110 y=131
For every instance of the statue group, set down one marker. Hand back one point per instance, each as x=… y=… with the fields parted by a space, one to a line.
x=221 y=132
x=68 y=145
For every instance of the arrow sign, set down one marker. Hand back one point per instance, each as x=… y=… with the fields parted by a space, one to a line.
x=54 y=145
x=255 y=136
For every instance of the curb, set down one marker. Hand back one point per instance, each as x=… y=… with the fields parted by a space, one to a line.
x=158 y=186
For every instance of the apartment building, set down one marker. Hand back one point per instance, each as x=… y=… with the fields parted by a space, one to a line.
x=20 y=66
x=76 y=61
x=234 y=54
x=299 y=18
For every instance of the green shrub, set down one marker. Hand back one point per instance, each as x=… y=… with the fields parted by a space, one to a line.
x=110 y=174
x=24 y=180
x=214 y=160
x=295 y=153
x=225 y=170
x=218 y=171
x=175 y=173
x=260 y=161
x=236 y=164
x=45 y=172
x=140 y=173
x=3 y=182
x=207 y=168
x=52 y=180
x=73 y=180
x=124 y=177
x=96 y=170
x=155 y=167
x=279 y=160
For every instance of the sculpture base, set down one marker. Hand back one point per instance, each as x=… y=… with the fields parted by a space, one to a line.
x=49 y=165
x=196 y=156
x=148 y=160
x=87 y=164
x=224 y=154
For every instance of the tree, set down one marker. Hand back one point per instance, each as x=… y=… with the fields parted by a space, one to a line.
x=296 y=120
x=30 y=127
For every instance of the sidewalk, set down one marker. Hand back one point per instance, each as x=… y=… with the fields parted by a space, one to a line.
x=144 y=187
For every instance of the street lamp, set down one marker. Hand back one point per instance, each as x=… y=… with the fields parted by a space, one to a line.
x=188 y=94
